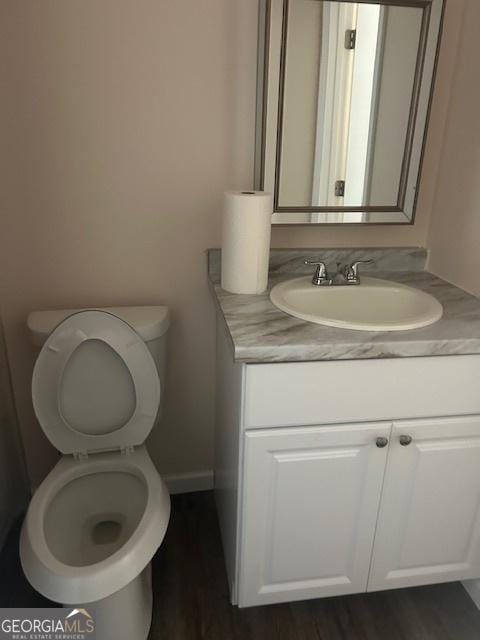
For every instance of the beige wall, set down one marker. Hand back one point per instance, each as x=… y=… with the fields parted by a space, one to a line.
x=455 y=230
x=396 y=81
x=126 y=120
x=304 y=44
x=123 y=121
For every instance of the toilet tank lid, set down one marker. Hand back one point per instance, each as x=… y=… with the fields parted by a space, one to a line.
x=149 y=322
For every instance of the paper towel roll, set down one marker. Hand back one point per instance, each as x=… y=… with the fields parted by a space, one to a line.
x=246 y=227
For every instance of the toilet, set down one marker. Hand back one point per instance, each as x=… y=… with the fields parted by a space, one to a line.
x=98 y=518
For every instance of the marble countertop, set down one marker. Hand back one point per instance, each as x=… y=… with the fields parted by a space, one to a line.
x=262 y=333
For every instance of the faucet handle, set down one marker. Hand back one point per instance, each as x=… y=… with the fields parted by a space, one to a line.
x=350 y=271
x=320 y=277
x=355 y=266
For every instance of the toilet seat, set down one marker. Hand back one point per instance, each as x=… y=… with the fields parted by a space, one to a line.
x=96 y=393
x=104 y=427
x=73 y=584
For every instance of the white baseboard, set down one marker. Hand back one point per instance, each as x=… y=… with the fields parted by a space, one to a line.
x=189 y=482
x=472 y=587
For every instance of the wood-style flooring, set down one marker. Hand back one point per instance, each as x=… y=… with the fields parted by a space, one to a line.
x=191 y=596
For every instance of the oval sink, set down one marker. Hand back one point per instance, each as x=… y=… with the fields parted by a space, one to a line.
x=373 y=305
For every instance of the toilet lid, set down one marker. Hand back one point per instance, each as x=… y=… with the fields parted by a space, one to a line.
x=95 y=385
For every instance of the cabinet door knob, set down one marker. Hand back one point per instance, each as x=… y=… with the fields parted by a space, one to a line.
x=405 y=440
x=381 y=442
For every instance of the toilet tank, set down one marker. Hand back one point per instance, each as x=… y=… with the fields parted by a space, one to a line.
x=151 y=323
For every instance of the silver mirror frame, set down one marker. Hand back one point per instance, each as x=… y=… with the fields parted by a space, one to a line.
x=267 y=142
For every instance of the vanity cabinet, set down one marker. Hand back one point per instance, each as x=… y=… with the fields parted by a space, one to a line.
x=428 y=526
x=332 y=510
x=310 y=505
x=327 y=488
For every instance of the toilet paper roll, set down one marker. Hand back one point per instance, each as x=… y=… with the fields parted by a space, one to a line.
x=246 y=228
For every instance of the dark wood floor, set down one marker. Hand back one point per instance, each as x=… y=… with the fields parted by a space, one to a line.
x=191 y=596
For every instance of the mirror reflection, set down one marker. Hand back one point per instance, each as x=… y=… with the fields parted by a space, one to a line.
x=348 y=103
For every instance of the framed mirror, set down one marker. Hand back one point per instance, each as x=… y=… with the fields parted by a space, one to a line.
x=344 y=96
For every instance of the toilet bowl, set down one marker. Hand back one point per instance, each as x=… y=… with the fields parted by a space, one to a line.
x=98 y=518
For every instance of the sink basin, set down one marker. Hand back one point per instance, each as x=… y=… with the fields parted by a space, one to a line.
x=373 y=305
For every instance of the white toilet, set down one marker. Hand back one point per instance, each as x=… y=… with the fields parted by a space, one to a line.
x=96 y=521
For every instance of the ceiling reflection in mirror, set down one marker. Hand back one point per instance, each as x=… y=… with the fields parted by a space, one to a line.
x=347 y=102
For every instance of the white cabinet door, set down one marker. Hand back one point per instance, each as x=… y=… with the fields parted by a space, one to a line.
x=429 y=522
x=310 y=505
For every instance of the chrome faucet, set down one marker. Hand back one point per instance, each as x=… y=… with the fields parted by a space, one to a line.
x=349 y=273
x=320 y=277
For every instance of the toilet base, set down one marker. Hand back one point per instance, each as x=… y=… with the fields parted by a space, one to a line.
x=126 y=614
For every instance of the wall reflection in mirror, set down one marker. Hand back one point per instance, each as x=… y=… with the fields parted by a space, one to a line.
x=348 y=92
x=343 y=108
